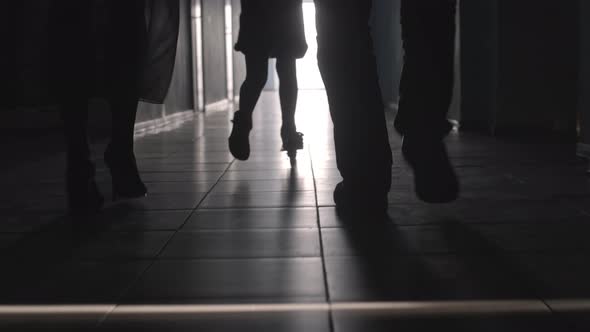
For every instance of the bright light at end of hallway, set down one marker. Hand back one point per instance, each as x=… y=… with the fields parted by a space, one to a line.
x=308 y=74
x=312 y=110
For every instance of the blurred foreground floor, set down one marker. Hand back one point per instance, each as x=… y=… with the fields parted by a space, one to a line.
x=224 y=245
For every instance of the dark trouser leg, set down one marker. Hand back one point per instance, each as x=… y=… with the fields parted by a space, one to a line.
x=288 y=91
x=349 y=71
x=82 y=192
x=428 y=32
x=256 y=72
x=123 y=113
x=71 y=57
x=75 y=119
x=124 y=48
x=256 y=75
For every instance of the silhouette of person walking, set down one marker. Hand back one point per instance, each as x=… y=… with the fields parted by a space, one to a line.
x=348 y=66
x=98 y=49
x=269 y=29
x=349 y=71
x=428 y=33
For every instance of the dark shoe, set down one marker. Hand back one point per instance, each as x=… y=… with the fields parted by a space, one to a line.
x=239 y=141
x=292 y=141
x=84 y=198
x=435 y=179
x=360 y=204
x=125 y=177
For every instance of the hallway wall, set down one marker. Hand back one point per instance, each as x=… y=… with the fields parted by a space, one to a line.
x=386 y=28
x=584 y=78
x=180 y=93
x=180 y=96
x=214 y=56
x=520 y=73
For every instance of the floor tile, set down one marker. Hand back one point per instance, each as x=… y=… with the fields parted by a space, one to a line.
x=252 y=218
x=422 y=278
x=162 y=166
x=177 y=201
x=386 y=239
x=251 y=186
x=20 y=222
x=283 y=164
x=555 y=276
x=469 y=211
x=131 y=220
x=281 y=174
x=455 y=237
x=244 y=244
x=117 y=245
x=260 y=199
x=231 y=281
x=251 y=321
x=77 y=282
x=181 y=176
x=179 y=187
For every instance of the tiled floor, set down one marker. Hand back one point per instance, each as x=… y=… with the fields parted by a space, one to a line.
x=218 y=240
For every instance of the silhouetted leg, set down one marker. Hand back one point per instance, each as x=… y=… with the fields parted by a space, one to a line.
x=123 y=53
x=82 y=191
x=288 y=91
x=256 y=74
x=348 y=67
x=123 y=114
x=428 y=32
x=75 y=120
x=124 y=47
x=72 y=55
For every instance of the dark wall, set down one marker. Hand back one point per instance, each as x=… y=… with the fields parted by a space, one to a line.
x=584 y=72
x=479 y=64
x=214 y=55
x=538 y=64
x=520 y=66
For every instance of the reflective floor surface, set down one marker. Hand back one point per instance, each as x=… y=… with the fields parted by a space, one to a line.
x=224 y=245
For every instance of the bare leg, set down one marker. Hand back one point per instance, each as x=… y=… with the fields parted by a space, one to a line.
x=256 y=73
x=288 y=91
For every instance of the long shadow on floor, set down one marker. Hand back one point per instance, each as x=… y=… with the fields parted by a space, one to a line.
x=461 y=264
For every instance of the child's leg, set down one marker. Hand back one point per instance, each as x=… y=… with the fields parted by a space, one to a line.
x=256 y=75
x=288 y=91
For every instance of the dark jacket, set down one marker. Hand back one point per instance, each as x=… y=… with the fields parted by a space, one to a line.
x=90 y=47
x=272 y=28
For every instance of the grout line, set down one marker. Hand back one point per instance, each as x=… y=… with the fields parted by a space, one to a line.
x=159 y=253
x=323 y=257
x=193 y=212
x=104 y=317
